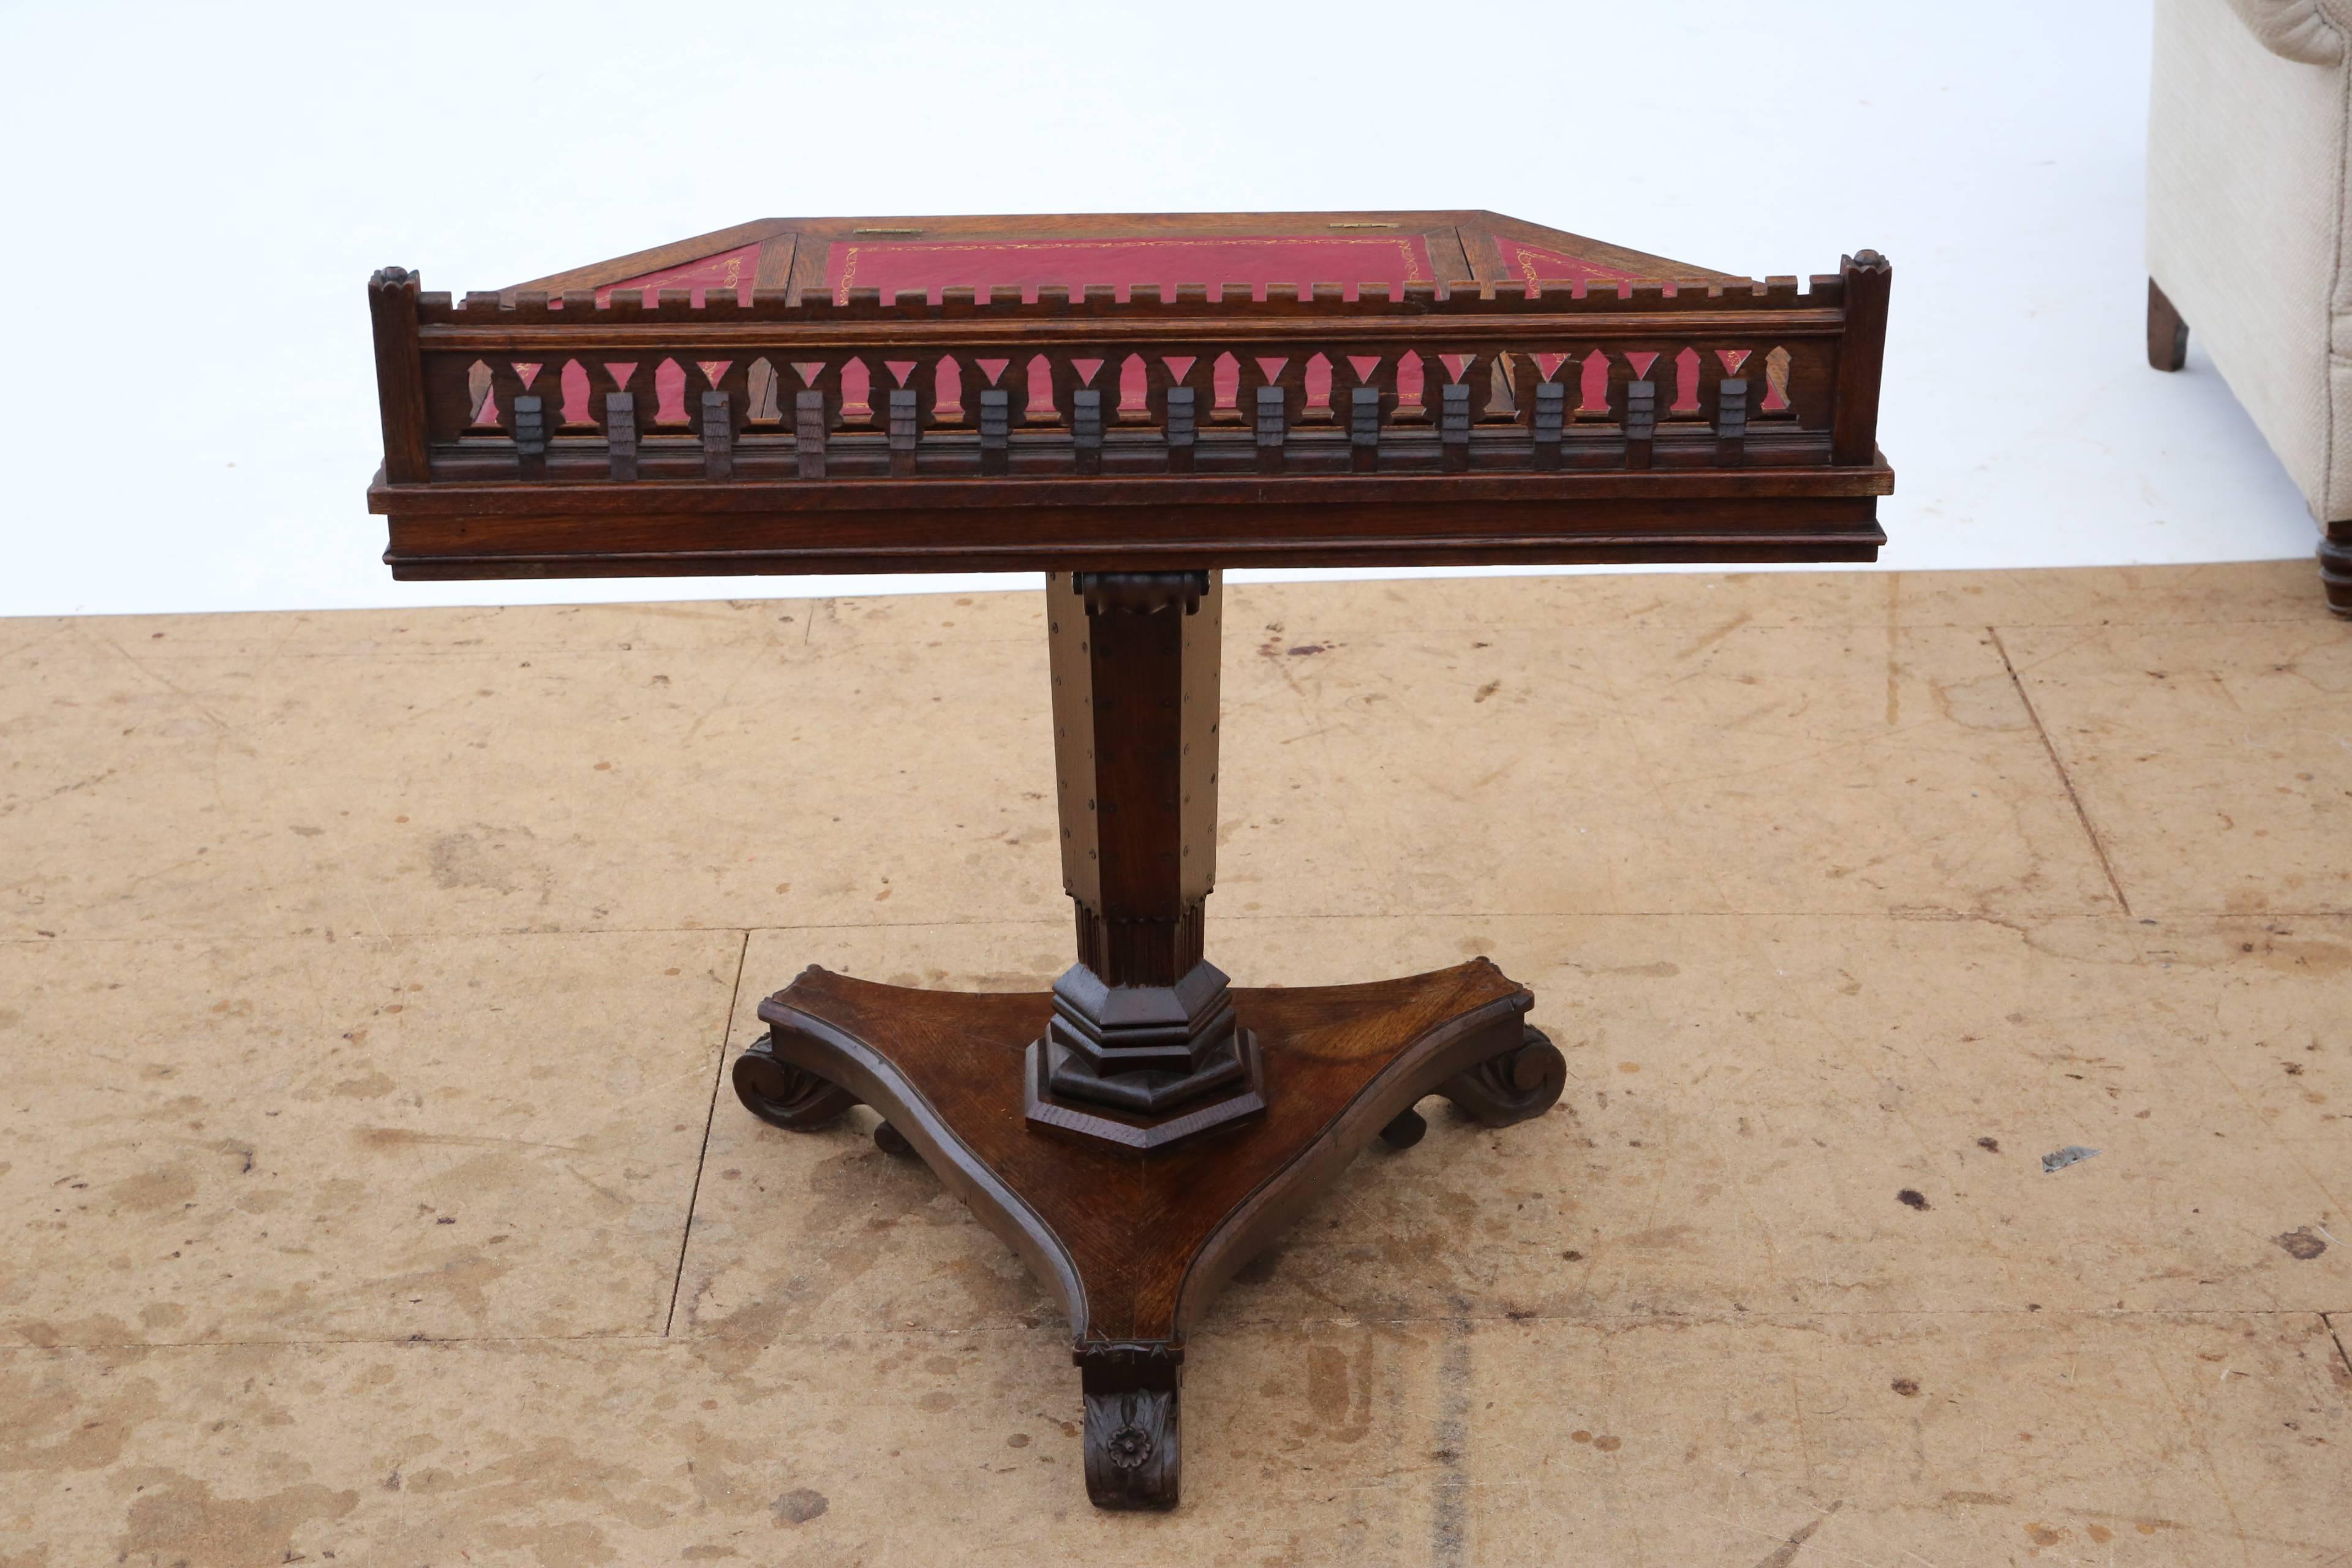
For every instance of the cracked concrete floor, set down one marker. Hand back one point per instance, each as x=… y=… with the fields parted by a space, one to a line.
x=366 y=981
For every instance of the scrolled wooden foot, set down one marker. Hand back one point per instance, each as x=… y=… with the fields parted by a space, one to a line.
x=784 y=1095
x=1406 y=1130
x=890 y=1141
x=1513 y=1086
x=1132 y=1434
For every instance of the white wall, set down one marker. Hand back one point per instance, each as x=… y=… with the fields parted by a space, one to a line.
x=197 y=195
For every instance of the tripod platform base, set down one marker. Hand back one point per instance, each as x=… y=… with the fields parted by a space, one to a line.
x=1134 y=1243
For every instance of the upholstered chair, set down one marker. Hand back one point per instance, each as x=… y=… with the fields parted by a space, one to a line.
x=2250 y=230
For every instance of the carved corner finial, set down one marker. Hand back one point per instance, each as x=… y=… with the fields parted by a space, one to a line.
x=393 y=277
x=1868 y=261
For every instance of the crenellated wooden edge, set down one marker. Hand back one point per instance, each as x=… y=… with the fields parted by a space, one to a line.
x=1054 y=301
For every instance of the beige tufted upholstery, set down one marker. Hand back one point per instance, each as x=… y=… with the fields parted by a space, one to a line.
x=2311 y=31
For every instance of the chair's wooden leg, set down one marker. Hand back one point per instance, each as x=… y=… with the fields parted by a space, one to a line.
x=2168 y=334
x=2335 y=567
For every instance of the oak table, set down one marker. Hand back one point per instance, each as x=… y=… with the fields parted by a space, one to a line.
x=1131 y=404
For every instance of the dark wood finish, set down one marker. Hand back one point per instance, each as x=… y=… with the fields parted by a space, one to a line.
x=530 y=437
x=1238 y=472
x=718 y=438
x=399 y=390
x=1641 y=423
x=1731 y=422
x=1133 y=1246
x=1419 y=521
x=738 y=403
x=620 y=440
x=1862 y=353
x=1143 y=1050
x=2168 y=334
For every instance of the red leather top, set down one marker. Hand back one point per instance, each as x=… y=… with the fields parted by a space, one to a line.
x=891 y=265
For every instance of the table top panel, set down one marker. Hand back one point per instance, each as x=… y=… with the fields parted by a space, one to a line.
x=732 y=268
x=1121 y=250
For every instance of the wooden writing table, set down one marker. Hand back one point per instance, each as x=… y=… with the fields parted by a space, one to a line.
x=1098 y=398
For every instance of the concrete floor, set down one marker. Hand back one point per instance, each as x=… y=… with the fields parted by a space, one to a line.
x=366 y=981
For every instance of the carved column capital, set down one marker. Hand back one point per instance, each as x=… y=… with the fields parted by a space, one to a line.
x=1140 y=593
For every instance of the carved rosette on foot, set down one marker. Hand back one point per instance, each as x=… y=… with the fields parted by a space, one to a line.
x=1134 y=1456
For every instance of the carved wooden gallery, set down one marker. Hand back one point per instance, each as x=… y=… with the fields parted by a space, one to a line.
x=1130 y=404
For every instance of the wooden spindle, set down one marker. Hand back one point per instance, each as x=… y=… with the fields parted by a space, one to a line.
x=995 y=430
x=1181 y=429
x=905 y=431
x=530 y=435
x=1273 y=428
x=1731 y=422
x=718 y=436
x=621 y=434
x=1087 y=429
x=1641 y=421
x=1453 y=427
x=1364 y=429
x=1550 y=416
x=809 y=431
